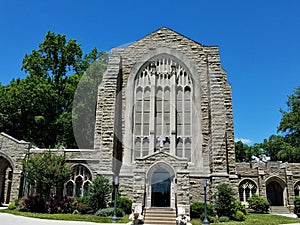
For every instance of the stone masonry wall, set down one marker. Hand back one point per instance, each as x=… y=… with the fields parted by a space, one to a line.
x=14 y=152
x=105 y=116
x=215 y=107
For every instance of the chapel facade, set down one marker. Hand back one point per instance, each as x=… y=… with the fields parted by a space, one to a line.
x=164 y=124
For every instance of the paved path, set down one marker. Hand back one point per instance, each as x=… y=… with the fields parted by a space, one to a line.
x=9 y=219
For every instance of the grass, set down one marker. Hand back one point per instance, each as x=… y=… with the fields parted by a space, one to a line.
x=257 y=219
x=252 y=218
x=73 y=217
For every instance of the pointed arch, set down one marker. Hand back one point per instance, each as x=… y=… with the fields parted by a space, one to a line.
x=78 y=184
x=162 y=62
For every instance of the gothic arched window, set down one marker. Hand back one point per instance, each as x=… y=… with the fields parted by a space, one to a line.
x=247 y=188
x=297 y=189
x=79 y=182
x=163 y=108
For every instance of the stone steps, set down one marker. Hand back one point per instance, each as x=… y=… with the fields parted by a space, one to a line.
x=161 y=216
x=279 y=210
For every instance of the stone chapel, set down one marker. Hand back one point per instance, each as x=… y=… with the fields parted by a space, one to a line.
x=164 y=123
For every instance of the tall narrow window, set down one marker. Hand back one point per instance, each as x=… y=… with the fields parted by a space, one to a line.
x=163 y=95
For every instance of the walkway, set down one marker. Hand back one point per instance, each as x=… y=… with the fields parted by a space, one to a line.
x=9 y=219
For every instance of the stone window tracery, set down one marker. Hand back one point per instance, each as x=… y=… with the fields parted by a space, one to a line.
x=247 y=188
x=79 y=182
x=162 y=109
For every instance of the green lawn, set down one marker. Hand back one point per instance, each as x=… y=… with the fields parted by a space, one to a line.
x=77 y=217
x=252 y=218
x=257 y=219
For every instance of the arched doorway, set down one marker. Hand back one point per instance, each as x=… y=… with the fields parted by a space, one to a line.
x=275 y=192
x=160 y=188
x=6 y=176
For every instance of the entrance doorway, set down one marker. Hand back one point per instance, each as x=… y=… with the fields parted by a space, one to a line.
x=275 y=193
x=6 y=175
x=160 y=188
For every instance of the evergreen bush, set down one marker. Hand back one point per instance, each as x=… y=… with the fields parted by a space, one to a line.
x=100 y=193
x=197 y=211
x=223 y=199
x=109 y=212
x=239 y=216
x=125 y=204
x=297 y=206
x=258 y=204
x=223 y=219
x=238 y=206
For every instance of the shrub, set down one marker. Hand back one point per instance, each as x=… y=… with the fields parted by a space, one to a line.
x=109 y=212
x=83 y=208
x=297 y=205
x=12 y=206
x=83 y=205
x=31 y=203
x=100 y=192
x=238 y=206
x=239 y=216
x=223 y=219
x=124 y=203
x=197 y=211
x=61 y=204
x=258 y=204
x=83 y=199
x=223 y=199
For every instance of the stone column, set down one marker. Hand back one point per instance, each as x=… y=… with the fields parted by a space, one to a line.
x=139 y=187
x=290 y=188
x=15 y=185
x=218 y=116
x=173 y=110
x=183 y=197
x=262 y=183
x=152 y=141
x=105 y=116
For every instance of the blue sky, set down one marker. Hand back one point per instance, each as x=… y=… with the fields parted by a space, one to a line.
x=259 y=42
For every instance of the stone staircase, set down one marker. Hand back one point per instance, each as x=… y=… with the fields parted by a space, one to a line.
x=279 y=210
x=161 y=216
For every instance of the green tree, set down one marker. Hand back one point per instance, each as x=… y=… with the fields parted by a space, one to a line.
x=24 y=109
x=286 y=147
x=278 y=149
x=256 y=150
x=223 y=199
x=39 y=107
x=242 y=152
x=290 y=121
x=46 y=171
x=100 y=193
